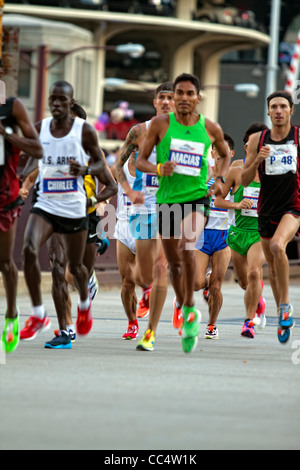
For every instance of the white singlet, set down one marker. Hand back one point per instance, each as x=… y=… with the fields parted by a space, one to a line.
x=58 y=192
x=147 y=183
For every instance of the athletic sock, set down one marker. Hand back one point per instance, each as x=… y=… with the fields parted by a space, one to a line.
x=84 y=304
x=39 y=312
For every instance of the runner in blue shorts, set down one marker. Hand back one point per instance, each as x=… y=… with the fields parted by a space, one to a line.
x=212 y=248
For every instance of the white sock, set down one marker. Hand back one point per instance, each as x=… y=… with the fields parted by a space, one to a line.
x=70 y=329
x=39 y=312
x=84 y=304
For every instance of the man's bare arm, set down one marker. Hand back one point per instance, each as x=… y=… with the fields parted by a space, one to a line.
x=97 y=164
x=29 y=142
x=131 y=144
x=253 y=160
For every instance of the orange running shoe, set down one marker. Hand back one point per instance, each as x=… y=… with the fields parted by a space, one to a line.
x=177 y=316
x=143 y=308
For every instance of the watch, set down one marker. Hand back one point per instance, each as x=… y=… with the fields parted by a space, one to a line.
x=220 y=178
x=8 y=131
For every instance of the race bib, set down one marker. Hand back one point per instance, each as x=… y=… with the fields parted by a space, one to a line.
x=282 y=159
x=217 y=211
x=126 y=203
x=151 y=183
x=58 y=184
x=253 y=195
x=188 y=156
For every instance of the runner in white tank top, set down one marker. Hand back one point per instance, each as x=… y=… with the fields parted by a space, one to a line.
x=61 y=208
x=59 y=192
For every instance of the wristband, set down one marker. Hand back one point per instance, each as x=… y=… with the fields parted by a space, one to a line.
x=158 y=169
x=93 y=201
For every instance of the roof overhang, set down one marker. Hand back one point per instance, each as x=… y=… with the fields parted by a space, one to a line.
x=113 y=21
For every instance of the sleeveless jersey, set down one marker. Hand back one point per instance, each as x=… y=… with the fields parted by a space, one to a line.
x=124 y=203
x=58 y=192
x=188 y=146
x=147 y=183
x=9 y=182
x=218 y=218
x=246 y=219
x=279 y=175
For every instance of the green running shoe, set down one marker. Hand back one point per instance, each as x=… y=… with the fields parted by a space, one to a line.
x=11 y=334
x=190 y=328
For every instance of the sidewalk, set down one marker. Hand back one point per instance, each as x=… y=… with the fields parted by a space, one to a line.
x=233 y=393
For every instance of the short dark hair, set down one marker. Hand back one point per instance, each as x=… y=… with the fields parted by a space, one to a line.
x=63 y=84
x=188 y=77
x=281 y=94
x=167 y=86
x=252 y=129
x=229 y=141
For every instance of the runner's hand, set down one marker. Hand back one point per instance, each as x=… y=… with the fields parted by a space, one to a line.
x=76 y=169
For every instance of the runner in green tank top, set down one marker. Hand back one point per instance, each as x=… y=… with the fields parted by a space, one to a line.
x=187 y=146
x=244 y=241
x=182 y=140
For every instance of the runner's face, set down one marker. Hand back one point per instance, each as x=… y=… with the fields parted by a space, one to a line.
x=59 y=102
x=164 y=103
x=186 y=98
x=280 y=111
x=215 y=154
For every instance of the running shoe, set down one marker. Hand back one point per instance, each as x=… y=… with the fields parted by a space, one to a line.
x=33 y=326
x=132 y=331
x=147 y=342
x=62 y=341
x=261 y=307
x=11 y=334
x=285 y=313
x=190 y=328
x=177 y=316
x=212 y=332
x=93 y=286
x=71 y=333
x=84 y=321
x=248 y=329
x=143 y=308
x=260 y=320
x=205 y=294
x=103 y=244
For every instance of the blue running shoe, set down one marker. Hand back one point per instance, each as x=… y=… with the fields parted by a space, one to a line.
x=103 y=244
x=63 y=341
x=285 y=313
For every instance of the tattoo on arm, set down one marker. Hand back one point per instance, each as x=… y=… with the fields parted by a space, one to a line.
x=129 y=146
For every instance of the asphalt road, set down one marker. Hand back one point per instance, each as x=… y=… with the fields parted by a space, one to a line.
x=234 y=393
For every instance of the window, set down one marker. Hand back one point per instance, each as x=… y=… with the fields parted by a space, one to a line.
x=82 y=82
x=24 y=78
x=57 y=71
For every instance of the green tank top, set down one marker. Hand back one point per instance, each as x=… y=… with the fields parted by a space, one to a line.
x=247 y=219
x=188 y=146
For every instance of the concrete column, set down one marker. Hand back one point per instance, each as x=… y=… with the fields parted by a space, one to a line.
x=210 y=96
x=185 y=8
